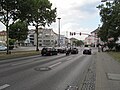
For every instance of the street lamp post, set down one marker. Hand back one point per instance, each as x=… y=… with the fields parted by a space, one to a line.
x=98 y=41
x=106 y=0
x=59 y=32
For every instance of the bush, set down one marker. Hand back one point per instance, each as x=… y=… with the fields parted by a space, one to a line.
x=11 y=43
x=11 y=47
x=111 y=45
x=117 y=47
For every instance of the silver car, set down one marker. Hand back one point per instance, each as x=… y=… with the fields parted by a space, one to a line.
x=3 y=48
x=87 y=50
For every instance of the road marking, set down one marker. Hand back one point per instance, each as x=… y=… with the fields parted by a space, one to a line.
x=55 y=64
x=113 y=76
x=4 y=86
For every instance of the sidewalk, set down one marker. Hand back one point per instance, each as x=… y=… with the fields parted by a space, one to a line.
x=107 y=73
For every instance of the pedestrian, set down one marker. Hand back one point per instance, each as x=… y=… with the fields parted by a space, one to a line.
x=102 y=48
x=99 y=48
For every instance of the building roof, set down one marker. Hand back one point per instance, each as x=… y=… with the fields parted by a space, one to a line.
x=3 y=33
x=96 y=30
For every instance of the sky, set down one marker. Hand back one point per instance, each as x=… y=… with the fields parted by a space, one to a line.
x=76 y=16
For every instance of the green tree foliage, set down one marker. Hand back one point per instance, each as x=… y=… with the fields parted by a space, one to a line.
x=11 y=43
x=18 y=31
x=103 y=32
x=78 y=42
x=110 y=18
x=41 y=14
x=37 y=12
x=8 y=11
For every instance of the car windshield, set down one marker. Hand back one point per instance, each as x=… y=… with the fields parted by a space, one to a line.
x=59 y=44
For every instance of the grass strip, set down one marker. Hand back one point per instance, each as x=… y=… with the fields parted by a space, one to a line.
x=115 y=55
x=18 y=54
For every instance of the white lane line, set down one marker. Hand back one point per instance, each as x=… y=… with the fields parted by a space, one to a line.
x=4 y=86
x=55 y=64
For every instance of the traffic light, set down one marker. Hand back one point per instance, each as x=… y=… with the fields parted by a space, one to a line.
x=71 y=33
x=74 y=33
x=80 y=33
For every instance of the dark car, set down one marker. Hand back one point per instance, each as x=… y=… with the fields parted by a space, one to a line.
x=48 y=51
x=87 y=50
x=74 y=51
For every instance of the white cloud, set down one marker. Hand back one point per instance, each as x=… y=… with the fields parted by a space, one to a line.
x=77 y=15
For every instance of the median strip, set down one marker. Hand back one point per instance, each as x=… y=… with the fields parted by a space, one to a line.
x=18 y=54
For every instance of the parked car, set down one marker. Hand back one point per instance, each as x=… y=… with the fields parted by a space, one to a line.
x=49 y=51
x=74 y=51
x=3 y=48
x=87 y=50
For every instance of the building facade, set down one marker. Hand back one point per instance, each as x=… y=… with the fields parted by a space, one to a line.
x=93 y=39
x=46 y=37
x=3 y=36
x=30 y=38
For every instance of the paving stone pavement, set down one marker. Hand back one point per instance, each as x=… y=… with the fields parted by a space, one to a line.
x=107 y=73
x=103 y=73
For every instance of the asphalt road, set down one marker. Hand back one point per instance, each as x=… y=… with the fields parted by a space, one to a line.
x=45 y=73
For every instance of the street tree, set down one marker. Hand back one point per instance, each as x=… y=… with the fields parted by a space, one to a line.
x=103 y=32
x=13 y=10
x=41 y=14
x=8 y=12
x=110 y=18
x=18 y=31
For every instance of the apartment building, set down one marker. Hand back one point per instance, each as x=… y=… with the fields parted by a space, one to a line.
x=30 y=38
x=46 y=37
x=93 y=39
x=3 y=36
